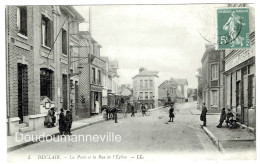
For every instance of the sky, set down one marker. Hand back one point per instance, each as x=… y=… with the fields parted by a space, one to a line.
x=169 y=39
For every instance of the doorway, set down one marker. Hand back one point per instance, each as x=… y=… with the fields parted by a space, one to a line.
x=22 y=91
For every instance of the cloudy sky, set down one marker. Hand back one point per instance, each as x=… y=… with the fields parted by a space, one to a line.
x=166 y=38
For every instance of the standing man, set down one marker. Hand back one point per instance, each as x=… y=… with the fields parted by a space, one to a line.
x=171 y=114
x=115 y=115
x=132 y=110
x=62 y=122
x=143 y=109
x=68 y=120
x=203 y=114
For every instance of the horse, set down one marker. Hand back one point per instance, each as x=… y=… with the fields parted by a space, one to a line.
x=110 y=111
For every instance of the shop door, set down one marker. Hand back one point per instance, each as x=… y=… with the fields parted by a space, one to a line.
x=240 y=112
x=245 y=99
x=22 y=91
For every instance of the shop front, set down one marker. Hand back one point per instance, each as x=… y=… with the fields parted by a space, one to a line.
x=96 y=99
x=240 y=86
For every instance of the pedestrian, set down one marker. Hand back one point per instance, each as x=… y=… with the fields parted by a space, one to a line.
x=62 y=122
x=171 y=114
x=203 y=114
x=53 y=117
x=143 y=109
x=68 y=121
x=115 y=114
x=229 y=119
x=132 y=110
x=48 y=119
x=222 y=118
x=97 y=106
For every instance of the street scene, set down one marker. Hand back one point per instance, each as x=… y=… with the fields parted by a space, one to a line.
x=126 y=82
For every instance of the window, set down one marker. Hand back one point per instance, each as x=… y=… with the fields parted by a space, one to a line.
x=214 y=97
x=93 y=75
x=22 y=20
x=214 y=72
x=151 y=95
x=146 y=95
x=151 y=83
x=46 y=82
x=99 y=77
x=47 y=27
x=146 y=83
x=141 y=95
x=141 y=83
x=64 y=41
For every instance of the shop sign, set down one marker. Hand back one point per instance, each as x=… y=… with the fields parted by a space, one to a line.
x=239 y=58
x=97 y=62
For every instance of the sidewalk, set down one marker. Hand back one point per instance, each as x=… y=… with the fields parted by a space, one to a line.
x=50 y=132
x=229 y=140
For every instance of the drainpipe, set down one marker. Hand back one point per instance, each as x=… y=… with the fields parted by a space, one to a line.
x=7 y=69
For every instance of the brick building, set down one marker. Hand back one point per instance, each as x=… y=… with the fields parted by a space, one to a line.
x=213 y=79
x=38 y=46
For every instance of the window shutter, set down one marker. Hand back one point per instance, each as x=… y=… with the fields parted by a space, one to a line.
x=24 y=20
x=18 y=19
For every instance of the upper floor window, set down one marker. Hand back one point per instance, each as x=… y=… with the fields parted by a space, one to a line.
x=93 y=75
x=146 y=83
x=22 y=20
x=64 y=41
x=99 y=77
x=151 y=95
x=146 y=95
x=151 y=83
x=46 y=31
x=141 y=83
x=141 y=95
x=214 y=72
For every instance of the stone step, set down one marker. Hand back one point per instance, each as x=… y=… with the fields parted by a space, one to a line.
x=25 y=129
x=22 y=125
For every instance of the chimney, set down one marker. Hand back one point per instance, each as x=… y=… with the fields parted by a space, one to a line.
x=141 y=69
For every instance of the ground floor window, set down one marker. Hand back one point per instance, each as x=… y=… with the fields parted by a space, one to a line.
x=46 y=82
x=214 y=98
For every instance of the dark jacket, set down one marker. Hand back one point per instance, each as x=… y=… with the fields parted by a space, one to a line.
x=203 y=114
x=223 y=116
x=171 y=114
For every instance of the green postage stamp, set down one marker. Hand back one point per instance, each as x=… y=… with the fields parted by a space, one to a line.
x=233 y=28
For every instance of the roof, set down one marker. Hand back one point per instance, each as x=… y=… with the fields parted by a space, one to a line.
x=146 y=72
x=179 y=81
x=78 y=16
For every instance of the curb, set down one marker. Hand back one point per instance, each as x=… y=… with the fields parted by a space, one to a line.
x=13 y=148
x=214 y=139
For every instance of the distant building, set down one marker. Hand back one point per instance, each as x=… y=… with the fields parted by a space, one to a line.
x=199 y=90
x=168 y=92
x=212 y=79
x=192 y=94
x=145 y=88
x=182 y=86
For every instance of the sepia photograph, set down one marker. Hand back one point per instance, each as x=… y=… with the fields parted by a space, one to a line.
x=130 y=82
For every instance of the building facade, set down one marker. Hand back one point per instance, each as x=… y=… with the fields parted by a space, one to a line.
x=213 y=79
x=37 y=63
x=145 y=88
x=240 y=79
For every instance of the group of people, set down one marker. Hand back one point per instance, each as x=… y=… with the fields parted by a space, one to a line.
x=223 y=117
x=65 y=121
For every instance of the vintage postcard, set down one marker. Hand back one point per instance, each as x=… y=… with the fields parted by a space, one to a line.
x=130 y=83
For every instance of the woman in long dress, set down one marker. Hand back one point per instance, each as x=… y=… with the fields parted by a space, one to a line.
x=97 y=106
